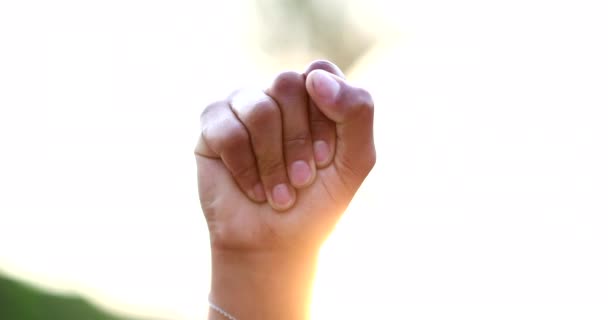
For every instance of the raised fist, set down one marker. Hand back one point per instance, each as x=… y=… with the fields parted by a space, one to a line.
x=276 y=168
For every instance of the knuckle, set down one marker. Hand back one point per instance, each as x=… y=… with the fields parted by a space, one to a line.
x=233 y=136
x=270 y=167
x=210 y=108
x=262 y=112
x=220 y=130
x=245 y=173
x=297 y=141
x=287 y=81
x=300 y=139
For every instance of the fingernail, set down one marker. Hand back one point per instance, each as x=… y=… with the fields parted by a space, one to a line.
x=258 y=192
x=325 y=86
x=281 y=196
x=300 y=173
x=321 y=150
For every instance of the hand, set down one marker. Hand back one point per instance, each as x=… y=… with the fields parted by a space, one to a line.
x=277 y=168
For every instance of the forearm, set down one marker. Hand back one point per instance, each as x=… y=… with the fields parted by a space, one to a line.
x=268 y=286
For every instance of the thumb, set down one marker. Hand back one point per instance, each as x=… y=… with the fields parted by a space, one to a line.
x=352 y=109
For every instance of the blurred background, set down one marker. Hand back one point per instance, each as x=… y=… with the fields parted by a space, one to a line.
x=489 y=199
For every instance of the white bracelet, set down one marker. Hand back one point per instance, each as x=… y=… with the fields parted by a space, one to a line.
x=220 y=310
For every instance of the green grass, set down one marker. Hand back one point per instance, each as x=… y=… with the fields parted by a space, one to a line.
x=21 y=302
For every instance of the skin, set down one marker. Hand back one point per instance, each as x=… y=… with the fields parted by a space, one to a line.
x=276 y=169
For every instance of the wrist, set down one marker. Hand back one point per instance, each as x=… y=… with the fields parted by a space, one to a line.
x=262 y=284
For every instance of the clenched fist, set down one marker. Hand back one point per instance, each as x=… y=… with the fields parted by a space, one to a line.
x=276 y=169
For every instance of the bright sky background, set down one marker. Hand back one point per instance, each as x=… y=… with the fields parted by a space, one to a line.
x=489 y=199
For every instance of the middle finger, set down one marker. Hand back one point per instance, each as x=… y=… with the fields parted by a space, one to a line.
x=262 y=118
